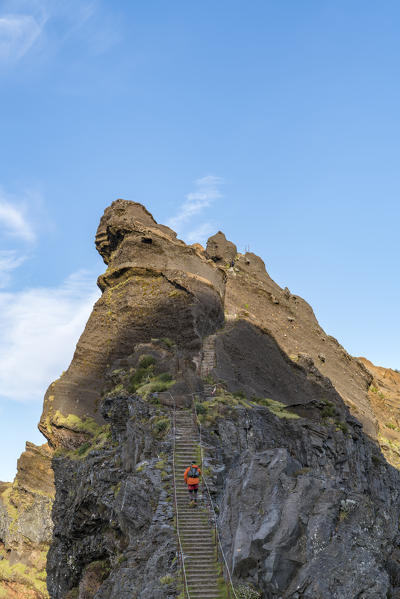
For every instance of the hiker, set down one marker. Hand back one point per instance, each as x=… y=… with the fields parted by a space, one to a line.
x=191 y=476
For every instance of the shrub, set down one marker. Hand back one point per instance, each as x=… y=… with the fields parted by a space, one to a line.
x=162 y=425
x=391 y=426
x=146 y=361
x=328 y=411
x=243 y=591
x=341 y=426
x=168 y=342
x=137 y=378
x=83 y=448
x=200 y=408
x=165 y=377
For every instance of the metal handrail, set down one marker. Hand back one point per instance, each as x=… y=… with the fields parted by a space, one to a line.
x=218 y=538
x=182 y=559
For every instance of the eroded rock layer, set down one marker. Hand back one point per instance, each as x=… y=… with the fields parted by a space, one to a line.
x=26 y=526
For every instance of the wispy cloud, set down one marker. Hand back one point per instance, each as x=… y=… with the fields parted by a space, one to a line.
x=9 y=261
x=55 y=22
x=39 y=329
x=18 y=33
x=14 y=220
x=207 y=190
x=200 y=234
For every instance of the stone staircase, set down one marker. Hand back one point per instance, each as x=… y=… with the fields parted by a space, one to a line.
x=208 y=356
x=195 y=527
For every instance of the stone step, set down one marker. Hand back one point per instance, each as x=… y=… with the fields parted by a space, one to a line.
x=205 y=593
x=203 y=536
x=195 y=527
x=180 y=446
x=200 y=582
x=186 y=454
x=192 y=546
x=205 y=577
x=188 y=512
x=201 y=560
x=206 y=546
x=205 y=560
x=206 y=564
x=198 y=541
x=198 y=587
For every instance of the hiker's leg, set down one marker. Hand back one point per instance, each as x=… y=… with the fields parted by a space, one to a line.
x=190 y=494
x=195 y=494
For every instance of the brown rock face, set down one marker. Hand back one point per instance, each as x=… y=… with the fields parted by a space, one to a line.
x=252 y=295
x=384 y=395
x=155 y=287
x=26 y=526
x=220 y=249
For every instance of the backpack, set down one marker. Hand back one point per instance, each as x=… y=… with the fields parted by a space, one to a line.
x=193 y=472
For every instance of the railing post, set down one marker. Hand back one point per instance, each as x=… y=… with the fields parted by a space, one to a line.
x=228 y=587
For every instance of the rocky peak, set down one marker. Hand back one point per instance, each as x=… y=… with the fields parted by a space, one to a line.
x=220 y=249
x=118 y=220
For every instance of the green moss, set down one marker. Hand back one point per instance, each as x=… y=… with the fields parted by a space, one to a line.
x=342 y=426
x=164 y=377
x=76 y=424
x=376 y=460
x=168 y=342
x=155 y=385
x=5 y=498
x=28 y=576
x=392 y=426
x=167 y=579
x=276 y=407
x=140 y=376
x=99 y=439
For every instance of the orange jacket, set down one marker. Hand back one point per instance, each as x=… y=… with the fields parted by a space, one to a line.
x=188 y=479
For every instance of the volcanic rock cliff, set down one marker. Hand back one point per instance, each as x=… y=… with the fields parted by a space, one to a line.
x=26 y=526
x=308 y=505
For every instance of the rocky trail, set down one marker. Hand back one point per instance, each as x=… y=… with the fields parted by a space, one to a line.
x=194 y=524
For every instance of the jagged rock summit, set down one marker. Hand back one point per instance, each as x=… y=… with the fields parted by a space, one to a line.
x=156 y=286
x=293 y=430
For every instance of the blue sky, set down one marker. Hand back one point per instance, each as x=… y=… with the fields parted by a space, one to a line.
x=277 y=122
